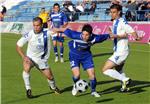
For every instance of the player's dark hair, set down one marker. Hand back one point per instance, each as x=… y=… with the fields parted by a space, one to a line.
x=4 y=10
x=88 y=28
x=38 y=19
x=56 y=4
x=118 y=7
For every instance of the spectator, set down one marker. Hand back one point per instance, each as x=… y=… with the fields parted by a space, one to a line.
x=93 y=7
x=79 y=7
x=3 y=11
x=147 y=14
x=116 y=2
x=44 y=16
x=141 y=11
x=131 y=12
x=69 y=10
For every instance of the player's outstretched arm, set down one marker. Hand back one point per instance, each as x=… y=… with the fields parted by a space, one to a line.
x=137 y=38
x=65 y=25
x=58 y=29
x=67 y=32
x=120 y=36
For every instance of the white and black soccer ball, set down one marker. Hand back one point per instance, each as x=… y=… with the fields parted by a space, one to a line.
x=81 y=85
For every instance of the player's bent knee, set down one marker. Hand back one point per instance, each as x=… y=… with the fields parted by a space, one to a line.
x=26 y=70
x=50 y=77
x=104 y=69
x=91 y=76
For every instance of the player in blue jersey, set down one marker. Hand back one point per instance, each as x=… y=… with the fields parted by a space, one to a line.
x=80 y=53
x=58 y=19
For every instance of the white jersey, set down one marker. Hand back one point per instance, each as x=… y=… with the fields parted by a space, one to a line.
x=120 y=27
x=38 y=44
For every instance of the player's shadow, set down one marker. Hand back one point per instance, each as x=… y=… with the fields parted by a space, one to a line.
x=99 y=101
x=24 y=99
x=109 y=90
x=42 y=94
x=66 y=60
x=135 y=87
x=102 y=54
x=104 y=100
x=69 y=88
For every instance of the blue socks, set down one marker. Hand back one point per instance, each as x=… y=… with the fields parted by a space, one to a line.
x=75 y=79
x=55 y=51
x=61 y=51
x=93 y=84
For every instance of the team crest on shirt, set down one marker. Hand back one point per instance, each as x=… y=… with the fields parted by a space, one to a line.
x=39 y=40
x=116 y=58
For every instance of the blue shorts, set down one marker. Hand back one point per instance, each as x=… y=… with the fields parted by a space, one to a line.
x=58 y=38
x=86 y=61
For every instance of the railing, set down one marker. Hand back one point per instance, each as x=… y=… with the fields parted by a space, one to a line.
x=98 y=15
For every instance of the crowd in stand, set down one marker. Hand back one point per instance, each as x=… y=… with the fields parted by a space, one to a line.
x=135 y=10
x=72 y=11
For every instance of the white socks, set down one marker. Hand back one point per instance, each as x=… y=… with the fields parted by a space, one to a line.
x=51 y=83
x=26 y=78
x=115 y=74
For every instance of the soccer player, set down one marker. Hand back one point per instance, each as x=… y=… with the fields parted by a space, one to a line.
x=37 y=55
x=58 y=19
x=80 y=53
x=120 y=29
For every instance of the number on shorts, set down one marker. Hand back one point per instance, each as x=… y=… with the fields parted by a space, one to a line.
x=72 y=63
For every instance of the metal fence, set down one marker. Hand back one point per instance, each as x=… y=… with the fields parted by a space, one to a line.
x=100 y=15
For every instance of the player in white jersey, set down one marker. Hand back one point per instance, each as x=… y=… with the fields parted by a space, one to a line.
x=120 y=31
x=37 y=55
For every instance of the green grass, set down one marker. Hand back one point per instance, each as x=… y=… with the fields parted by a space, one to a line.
x=13 y=91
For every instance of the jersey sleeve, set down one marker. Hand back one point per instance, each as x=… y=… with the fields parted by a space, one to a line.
x=72 y=34
x=64 y=18
x=24 y=39
x=100 y=38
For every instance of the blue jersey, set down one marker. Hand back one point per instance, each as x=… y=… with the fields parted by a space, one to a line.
x=58 y=19
x=80 y=47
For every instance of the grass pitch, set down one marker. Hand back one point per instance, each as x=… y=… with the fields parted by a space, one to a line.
x=12 y=87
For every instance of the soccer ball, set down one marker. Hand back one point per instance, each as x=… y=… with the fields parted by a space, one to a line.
x=81 y=85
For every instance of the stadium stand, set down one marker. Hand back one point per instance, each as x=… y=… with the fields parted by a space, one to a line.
x=26 y=10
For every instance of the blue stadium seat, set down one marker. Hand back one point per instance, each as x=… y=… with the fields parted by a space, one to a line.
x=25 y=11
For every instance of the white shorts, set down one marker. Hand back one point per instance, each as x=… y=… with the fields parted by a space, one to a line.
x=40 y=63
x=119 y=58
